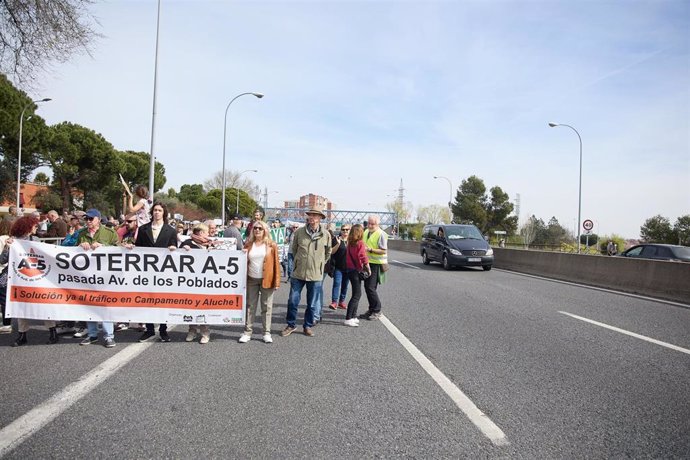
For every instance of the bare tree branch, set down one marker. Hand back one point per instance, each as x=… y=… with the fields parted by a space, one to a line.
x=37 y=33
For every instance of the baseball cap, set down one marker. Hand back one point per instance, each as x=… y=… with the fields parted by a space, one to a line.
x=93 y=213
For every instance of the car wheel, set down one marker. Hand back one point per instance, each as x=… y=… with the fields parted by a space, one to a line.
x=446 y=264
x=486 y=267
x=425 y=258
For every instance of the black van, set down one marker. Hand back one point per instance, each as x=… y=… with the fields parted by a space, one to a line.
x=456 y=245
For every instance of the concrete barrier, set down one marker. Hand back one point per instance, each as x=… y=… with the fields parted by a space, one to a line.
x=653 y=278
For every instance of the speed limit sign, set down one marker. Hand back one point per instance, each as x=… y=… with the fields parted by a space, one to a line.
x=588 y=225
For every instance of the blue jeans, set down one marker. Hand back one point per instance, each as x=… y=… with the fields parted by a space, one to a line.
x=318 y=304
x=290 y=264
x=108 y=329
x=339 y=291
x=296 y=286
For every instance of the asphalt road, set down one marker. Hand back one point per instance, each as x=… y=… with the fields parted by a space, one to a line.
x=556 y=386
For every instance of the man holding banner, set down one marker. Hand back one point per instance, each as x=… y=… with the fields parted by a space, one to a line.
x=92 y=238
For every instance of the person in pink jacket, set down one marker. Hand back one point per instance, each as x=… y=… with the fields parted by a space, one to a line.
x=357 y=262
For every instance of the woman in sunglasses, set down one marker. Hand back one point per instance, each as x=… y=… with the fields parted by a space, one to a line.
x=263 y=278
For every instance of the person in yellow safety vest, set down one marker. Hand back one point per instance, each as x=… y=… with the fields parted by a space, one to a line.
x=376 y=241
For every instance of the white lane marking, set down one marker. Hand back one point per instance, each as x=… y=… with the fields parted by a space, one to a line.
x=407 y=265
x=596 y=288
x=632 y=334
x=21 y=429
x=476 y=416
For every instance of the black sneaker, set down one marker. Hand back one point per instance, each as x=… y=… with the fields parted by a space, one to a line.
x=89 y=340
x=164 y=336
x=146 y=336
x=365 y=315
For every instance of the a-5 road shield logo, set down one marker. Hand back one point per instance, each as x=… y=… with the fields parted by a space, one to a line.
x=31 y=266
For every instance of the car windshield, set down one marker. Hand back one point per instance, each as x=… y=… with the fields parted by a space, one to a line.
x=459 y=233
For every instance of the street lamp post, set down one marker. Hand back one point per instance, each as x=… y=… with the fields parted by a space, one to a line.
x=19 y=155
x=237 y=191
x=579 y=197
x=450 y=197
x=225 y=126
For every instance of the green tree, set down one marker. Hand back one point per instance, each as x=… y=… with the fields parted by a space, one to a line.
x=473 y=205
x=498 y=212
x=657 y=229
x=12 y=102
x=47 y=199
x=556 y=234
x=136 y=167
x=530 y=230
x=212 y=202
x=41 y=178
x=682 y=230
x=604 y=241
x=81 y=158
x=192 y=193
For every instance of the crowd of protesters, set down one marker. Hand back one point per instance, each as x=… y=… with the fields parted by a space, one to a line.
x=354 y=258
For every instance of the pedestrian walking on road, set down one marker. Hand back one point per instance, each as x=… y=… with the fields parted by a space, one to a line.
x=376 y=242
x=357 y=267
x=311 y=248
x=338 y=262
x=263 y=278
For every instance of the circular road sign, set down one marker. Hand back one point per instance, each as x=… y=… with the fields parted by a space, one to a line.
x=588 y=225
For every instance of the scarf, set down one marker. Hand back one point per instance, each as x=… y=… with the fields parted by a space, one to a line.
x=201 y=241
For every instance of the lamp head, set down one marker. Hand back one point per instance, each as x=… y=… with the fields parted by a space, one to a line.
x=435 y=177
x=259 y=95
x=553 y=125
x=46 y=99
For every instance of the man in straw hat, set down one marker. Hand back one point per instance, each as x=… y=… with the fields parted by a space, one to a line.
x=311 y=248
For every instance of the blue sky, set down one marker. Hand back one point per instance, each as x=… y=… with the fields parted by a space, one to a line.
x=360 y=95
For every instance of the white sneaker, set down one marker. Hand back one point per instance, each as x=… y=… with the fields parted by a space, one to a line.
x=205 y=338
x=356 y=320
x=245 y=338
x=351 y=323
x=81 y=332
x=5 y=329
x=191 y=335
x=268 y=338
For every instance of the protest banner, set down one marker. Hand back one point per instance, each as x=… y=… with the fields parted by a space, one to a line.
x=278 y=235
x=142 y=285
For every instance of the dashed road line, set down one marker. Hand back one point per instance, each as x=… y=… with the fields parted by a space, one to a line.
x=407 y=265
x=465 y=404
x=22 y=428
x=631 y=334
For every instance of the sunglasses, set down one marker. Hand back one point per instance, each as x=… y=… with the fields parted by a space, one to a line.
x=90 y=218
x=131 y=221
x=344 y=229
x=258 y=229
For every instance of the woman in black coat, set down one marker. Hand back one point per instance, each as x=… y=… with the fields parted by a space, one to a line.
x=157 y=234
